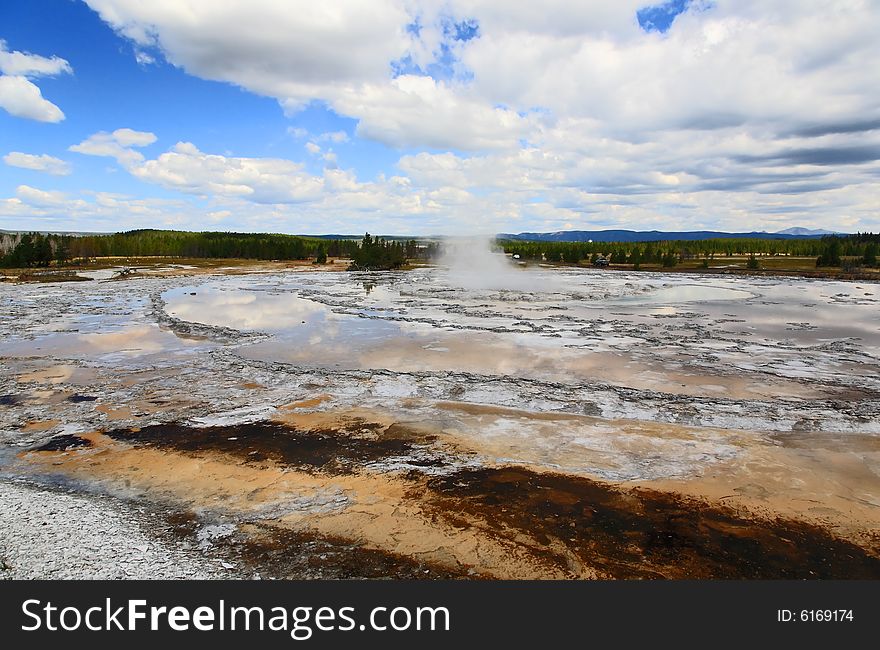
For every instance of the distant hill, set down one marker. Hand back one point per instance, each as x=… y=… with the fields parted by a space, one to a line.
x=660 y=235
x=562 y=235
x=806 y=232
x=72 y=233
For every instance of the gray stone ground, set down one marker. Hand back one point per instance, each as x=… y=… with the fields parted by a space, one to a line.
x=49 y=534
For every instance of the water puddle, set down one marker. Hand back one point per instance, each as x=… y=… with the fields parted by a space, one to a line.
x=126 y=343
x=685 y=293
x=623 y=333
x=244 y=310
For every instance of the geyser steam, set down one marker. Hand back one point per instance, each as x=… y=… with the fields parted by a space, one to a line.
x=476 y=263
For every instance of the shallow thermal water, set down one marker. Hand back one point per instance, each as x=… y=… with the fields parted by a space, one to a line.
x=574 y=370
x=737 y=337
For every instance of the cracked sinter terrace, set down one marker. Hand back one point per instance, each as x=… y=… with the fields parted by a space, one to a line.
x=727 y=389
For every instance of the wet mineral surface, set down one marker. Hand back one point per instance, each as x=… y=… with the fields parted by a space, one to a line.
x=569 y=423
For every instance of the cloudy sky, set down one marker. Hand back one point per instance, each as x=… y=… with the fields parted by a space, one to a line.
x=423 y=117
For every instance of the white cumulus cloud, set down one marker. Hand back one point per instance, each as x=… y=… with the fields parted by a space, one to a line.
x=22 y=64
x=261 y=180
x=37 y=197
x=746 y=113
x=22 y=98
x=117 y=144
x=40 y=163
x=19 y=96
x=296 y=49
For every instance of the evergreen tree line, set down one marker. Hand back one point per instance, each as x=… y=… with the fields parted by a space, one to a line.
x=35 y=249
x=31 y=249
x=375 y=253
x=831 y=250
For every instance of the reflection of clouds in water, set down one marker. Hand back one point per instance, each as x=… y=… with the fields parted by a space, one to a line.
x=690 y=293
x=134 y=341
x=329 y=332
x=583 y=445
x=244 y=310
x=143 y=339
x=600 y=327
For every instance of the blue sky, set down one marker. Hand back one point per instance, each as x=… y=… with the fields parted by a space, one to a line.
x=418 y=118
x=110 y=89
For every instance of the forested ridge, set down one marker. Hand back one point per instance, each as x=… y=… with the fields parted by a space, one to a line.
x=830 y=250
x=35 y=249
x=30 y=250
